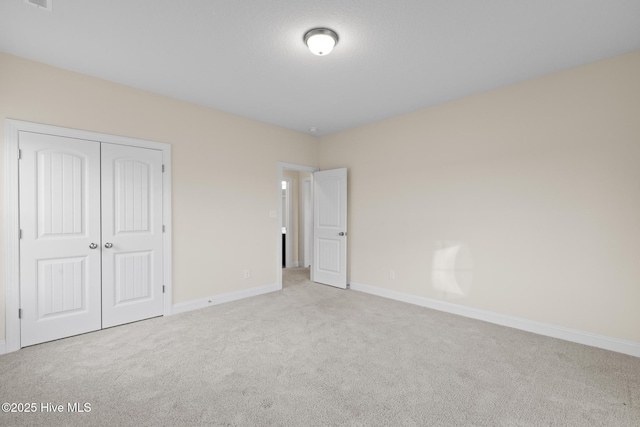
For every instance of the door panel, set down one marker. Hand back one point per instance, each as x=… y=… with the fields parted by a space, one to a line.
x=131 y=195
x=60 y=219
x=60 y=286
x=132 y=273
x=132 y=278
x=330 y=227
x=59 y=187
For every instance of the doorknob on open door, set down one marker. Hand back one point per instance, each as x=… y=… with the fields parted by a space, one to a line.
x=108 y=245
x=93 y=246
x=342 y=233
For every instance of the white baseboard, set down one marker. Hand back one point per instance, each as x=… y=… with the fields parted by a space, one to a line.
x=601 y=341
x=3 y=347
x=219 y=299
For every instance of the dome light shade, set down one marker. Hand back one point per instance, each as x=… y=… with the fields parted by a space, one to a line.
x=321 y=41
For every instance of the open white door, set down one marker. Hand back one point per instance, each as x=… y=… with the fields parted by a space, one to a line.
x=330 y=227
x=131 y=234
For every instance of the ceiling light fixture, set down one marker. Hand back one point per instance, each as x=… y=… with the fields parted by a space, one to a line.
x=321 y=41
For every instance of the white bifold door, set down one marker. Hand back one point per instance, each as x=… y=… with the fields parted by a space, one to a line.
x=91 y=236
x=330 y=227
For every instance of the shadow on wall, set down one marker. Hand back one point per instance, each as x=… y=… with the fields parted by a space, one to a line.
x=452 y=271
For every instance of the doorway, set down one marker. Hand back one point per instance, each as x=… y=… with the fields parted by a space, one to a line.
x=295 y=216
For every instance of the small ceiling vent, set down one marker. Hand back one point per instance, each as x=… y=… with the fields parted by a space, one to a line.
x=40 y=4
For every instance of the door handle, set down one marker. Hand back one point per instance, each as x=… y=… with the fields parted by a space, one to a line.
x=108 y=245
x=342 y=233
x=93 y=246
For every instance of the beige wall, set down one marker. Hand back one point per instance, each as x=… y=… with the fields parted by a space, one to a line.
x=225 y=170
x=523 y=201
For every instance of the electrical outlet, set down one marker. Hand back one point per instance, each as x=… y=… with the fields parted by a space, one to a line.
x=247 y=274
x=392 y=274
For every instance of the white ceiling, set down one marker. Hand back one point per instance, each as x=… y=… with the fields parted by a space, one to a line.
x=248 y=57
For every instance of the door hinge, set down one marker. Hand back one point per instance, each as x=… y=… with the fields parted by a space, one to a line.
x=19 y=313
x=19 y=154
x=19 y=234
x=163 y=228
x=163 y=289
x=162 y=168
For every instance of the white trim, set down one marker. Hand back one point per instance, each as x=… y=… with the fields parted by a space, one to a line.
x=167 y=237
x=297 y=167
x=12 y=213
x=221 y=299
x=601 y=341
x=295 y=265
x=3 y=347
x=281 y=167
x=12 y=225
x=306 y=194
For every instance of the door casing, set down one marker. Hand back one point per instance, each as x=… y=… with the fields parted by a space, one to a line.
x=307 y=221
x=12 y=212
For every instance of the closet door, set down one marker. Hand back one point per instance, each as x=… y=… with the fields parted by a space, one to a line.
x=132 y=272
x=60 y=244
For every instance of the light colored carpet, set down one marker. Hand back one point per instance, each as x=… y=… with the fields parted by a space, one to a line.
x=312 y=355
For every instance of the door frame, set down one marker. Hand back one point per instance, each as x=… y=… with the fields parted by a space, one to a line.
x=281 y=167
x=12 y=212
x=306 y=194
